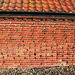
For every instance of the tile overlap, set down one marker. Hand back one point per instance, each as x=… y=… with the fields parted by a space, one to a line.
x=38 y=5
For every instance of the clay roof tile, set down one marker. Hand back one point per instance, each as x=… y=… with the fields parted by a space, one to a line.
x=38 y=5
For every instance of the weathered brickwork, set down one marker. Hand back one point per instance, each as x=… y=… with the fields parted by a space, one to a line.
x=36 y=42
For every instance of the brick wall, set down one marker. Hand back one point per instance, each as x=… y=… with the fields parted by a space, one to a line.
x=37 y=42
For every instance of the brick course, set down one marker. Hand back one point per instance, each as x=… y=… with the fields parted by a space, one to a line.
x=36 y=42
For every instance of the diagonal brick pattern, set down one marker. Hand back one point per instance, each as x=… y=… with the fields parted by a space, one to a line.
x=36 y=43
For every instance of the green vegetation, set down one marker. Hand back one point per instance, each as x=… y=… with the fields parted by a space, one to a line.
x=2 y=1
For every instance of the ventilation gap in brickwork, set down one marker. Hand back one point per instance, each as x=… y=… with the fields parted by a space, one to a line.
x=38 y=19
x=45 y=19
x=63 y=19
x=30 y=19
x=72 y=20
x=54 y=19
x=34 y=57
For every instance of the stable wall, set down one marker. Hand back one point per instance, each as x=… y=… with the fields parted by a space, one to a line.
x=38 y=41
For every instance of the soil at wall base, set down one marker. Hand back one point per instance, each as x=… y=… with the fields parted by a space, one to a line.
x=59 y=70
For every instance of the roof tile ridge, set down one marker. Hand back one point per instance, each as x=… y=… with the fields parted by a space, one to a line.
x=64 y=6
x=5 y=5
x=69 y=5
x=58 y=5
x=39 y=5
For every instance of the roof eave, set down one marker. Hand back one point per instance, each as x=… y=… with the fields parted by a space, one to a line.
x=36 y=13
